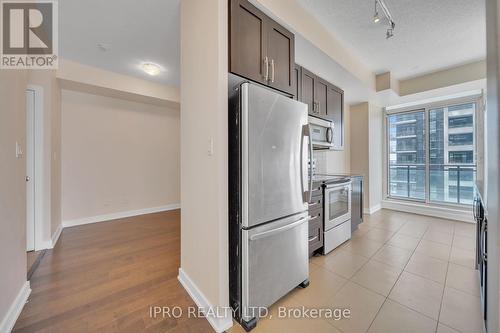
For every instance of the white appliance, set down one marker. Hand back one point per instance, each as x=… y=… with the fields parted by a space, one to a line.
x=337 y=228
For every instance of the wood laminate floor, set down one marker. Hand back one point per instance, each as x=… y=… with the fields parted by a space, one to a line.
x=104 y=277
x=33 y=260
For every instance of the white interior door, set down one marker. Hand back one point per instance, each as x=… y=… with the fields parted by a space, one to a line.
x=30 y=170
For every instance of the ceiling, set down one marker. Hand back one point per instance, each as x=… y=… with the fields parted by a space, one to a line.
x=132 y=31
x=430 y=34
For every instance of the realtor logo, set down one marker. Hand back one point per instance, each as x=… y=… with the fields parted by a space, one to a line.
x=29 y=34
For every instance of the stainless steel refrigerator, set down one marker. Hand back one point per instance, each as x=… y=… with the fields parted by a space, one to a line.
x=268 y=195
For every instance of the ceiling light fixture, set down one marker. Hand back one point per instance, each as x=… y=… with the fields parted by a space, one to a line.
x=103 y=46
x=150 y=68
x=387 y=14
x=376 y=18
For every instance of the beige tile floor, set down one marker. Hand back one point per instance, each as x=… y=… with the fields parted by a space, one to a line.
x=399 y=273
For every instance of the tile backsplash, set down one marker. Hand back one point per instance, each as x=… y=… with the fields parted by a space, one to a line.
x=328 y=161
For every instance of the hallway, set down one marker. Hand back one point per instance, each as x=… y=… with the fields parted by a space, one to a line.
x=105 y=276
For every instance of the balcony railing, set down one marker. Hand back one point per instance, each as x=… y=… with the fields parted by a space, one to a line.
x=452 y=183
x=407 y=181
x=449 y=183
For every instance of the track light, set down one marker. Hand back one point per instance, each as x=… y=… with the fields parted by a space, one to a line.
x=376 y=18
x=387 y=14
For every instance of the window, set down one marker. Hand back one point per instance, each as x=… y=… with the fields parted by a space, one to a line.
x=461 y=139
x=407 y=155
x=460 y=121
x=461 y=157
x=442 y=171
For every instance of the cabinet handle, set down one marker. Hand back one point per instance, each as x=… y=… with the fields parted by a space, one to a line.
x=312 y=218
x=314 y=204
x=316 y=108
x=272 y=70
x=266 y=71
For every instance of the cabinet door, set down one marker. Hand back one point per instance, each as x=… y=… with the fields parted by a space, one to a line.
x=307 y=89
x=296 y=82
x=280 y=50
x=248 y=41
x=315 y=238
x=335 y=112
x=321 y=97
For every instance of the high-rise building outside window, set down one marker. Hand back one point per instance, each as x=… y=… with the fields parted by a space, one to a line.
x=431 y=154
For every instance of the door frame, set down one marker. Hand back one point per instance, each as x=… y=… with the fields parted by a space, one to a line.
x=39 y=184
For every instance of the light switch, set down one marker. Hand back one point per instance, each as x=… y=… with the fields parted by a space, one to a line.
x=210 y=147
x=19 y=150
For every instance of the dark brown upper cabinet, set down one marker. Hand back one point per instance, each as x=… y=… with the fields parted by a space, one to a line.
x=335 y=112
x=307 y=94
x=259 y=48
x=324 y=100
x=321 y=98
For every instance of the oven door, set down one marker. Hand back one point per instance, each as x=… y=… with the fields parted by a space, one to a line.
x=337 y=204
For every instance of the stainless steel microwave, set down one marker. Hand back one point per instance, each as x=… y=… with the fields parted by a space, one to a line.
x=321 y=133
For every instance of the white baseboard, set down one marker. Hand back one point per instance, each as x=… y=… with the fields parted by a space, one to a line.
x=372 y=210
x=434 y=211
x=57 y=233
x=119 y=215
x=15 y=309
x=45 y=245
x=219 y=324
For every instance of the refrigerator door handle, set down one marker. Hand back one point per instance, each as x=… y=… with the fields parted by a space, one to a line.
x=278 y=230
x=303 y=179
x=311 y=161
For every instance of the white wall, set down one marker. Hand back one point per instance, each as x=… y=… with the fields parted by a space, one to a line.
x=117 y=156
x=359 y=136
x=12 y=190
x=366 y=132
x=376 y=155
x=51 y=159
x=204 y=196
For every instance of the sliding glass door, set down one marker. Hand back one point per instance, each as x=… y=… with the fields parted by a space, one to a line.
x=431 y=154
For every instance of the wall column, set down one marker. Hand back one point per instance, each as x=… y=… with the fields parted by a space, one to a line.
x=204 y=193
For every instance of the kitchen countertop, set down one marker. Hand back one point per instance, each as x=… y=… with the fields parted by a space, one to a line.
x=342 y=174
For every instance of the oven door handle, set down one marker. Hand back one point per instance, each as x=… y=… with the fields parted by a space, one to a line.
x=338 y=185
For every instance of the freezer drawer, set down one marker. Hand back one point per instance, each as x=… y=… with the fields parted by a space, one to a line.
x=274 y=261
x=336 y=236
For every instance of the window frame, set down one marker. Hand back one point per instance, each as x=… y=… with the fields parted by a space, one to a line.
x=476 y=98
